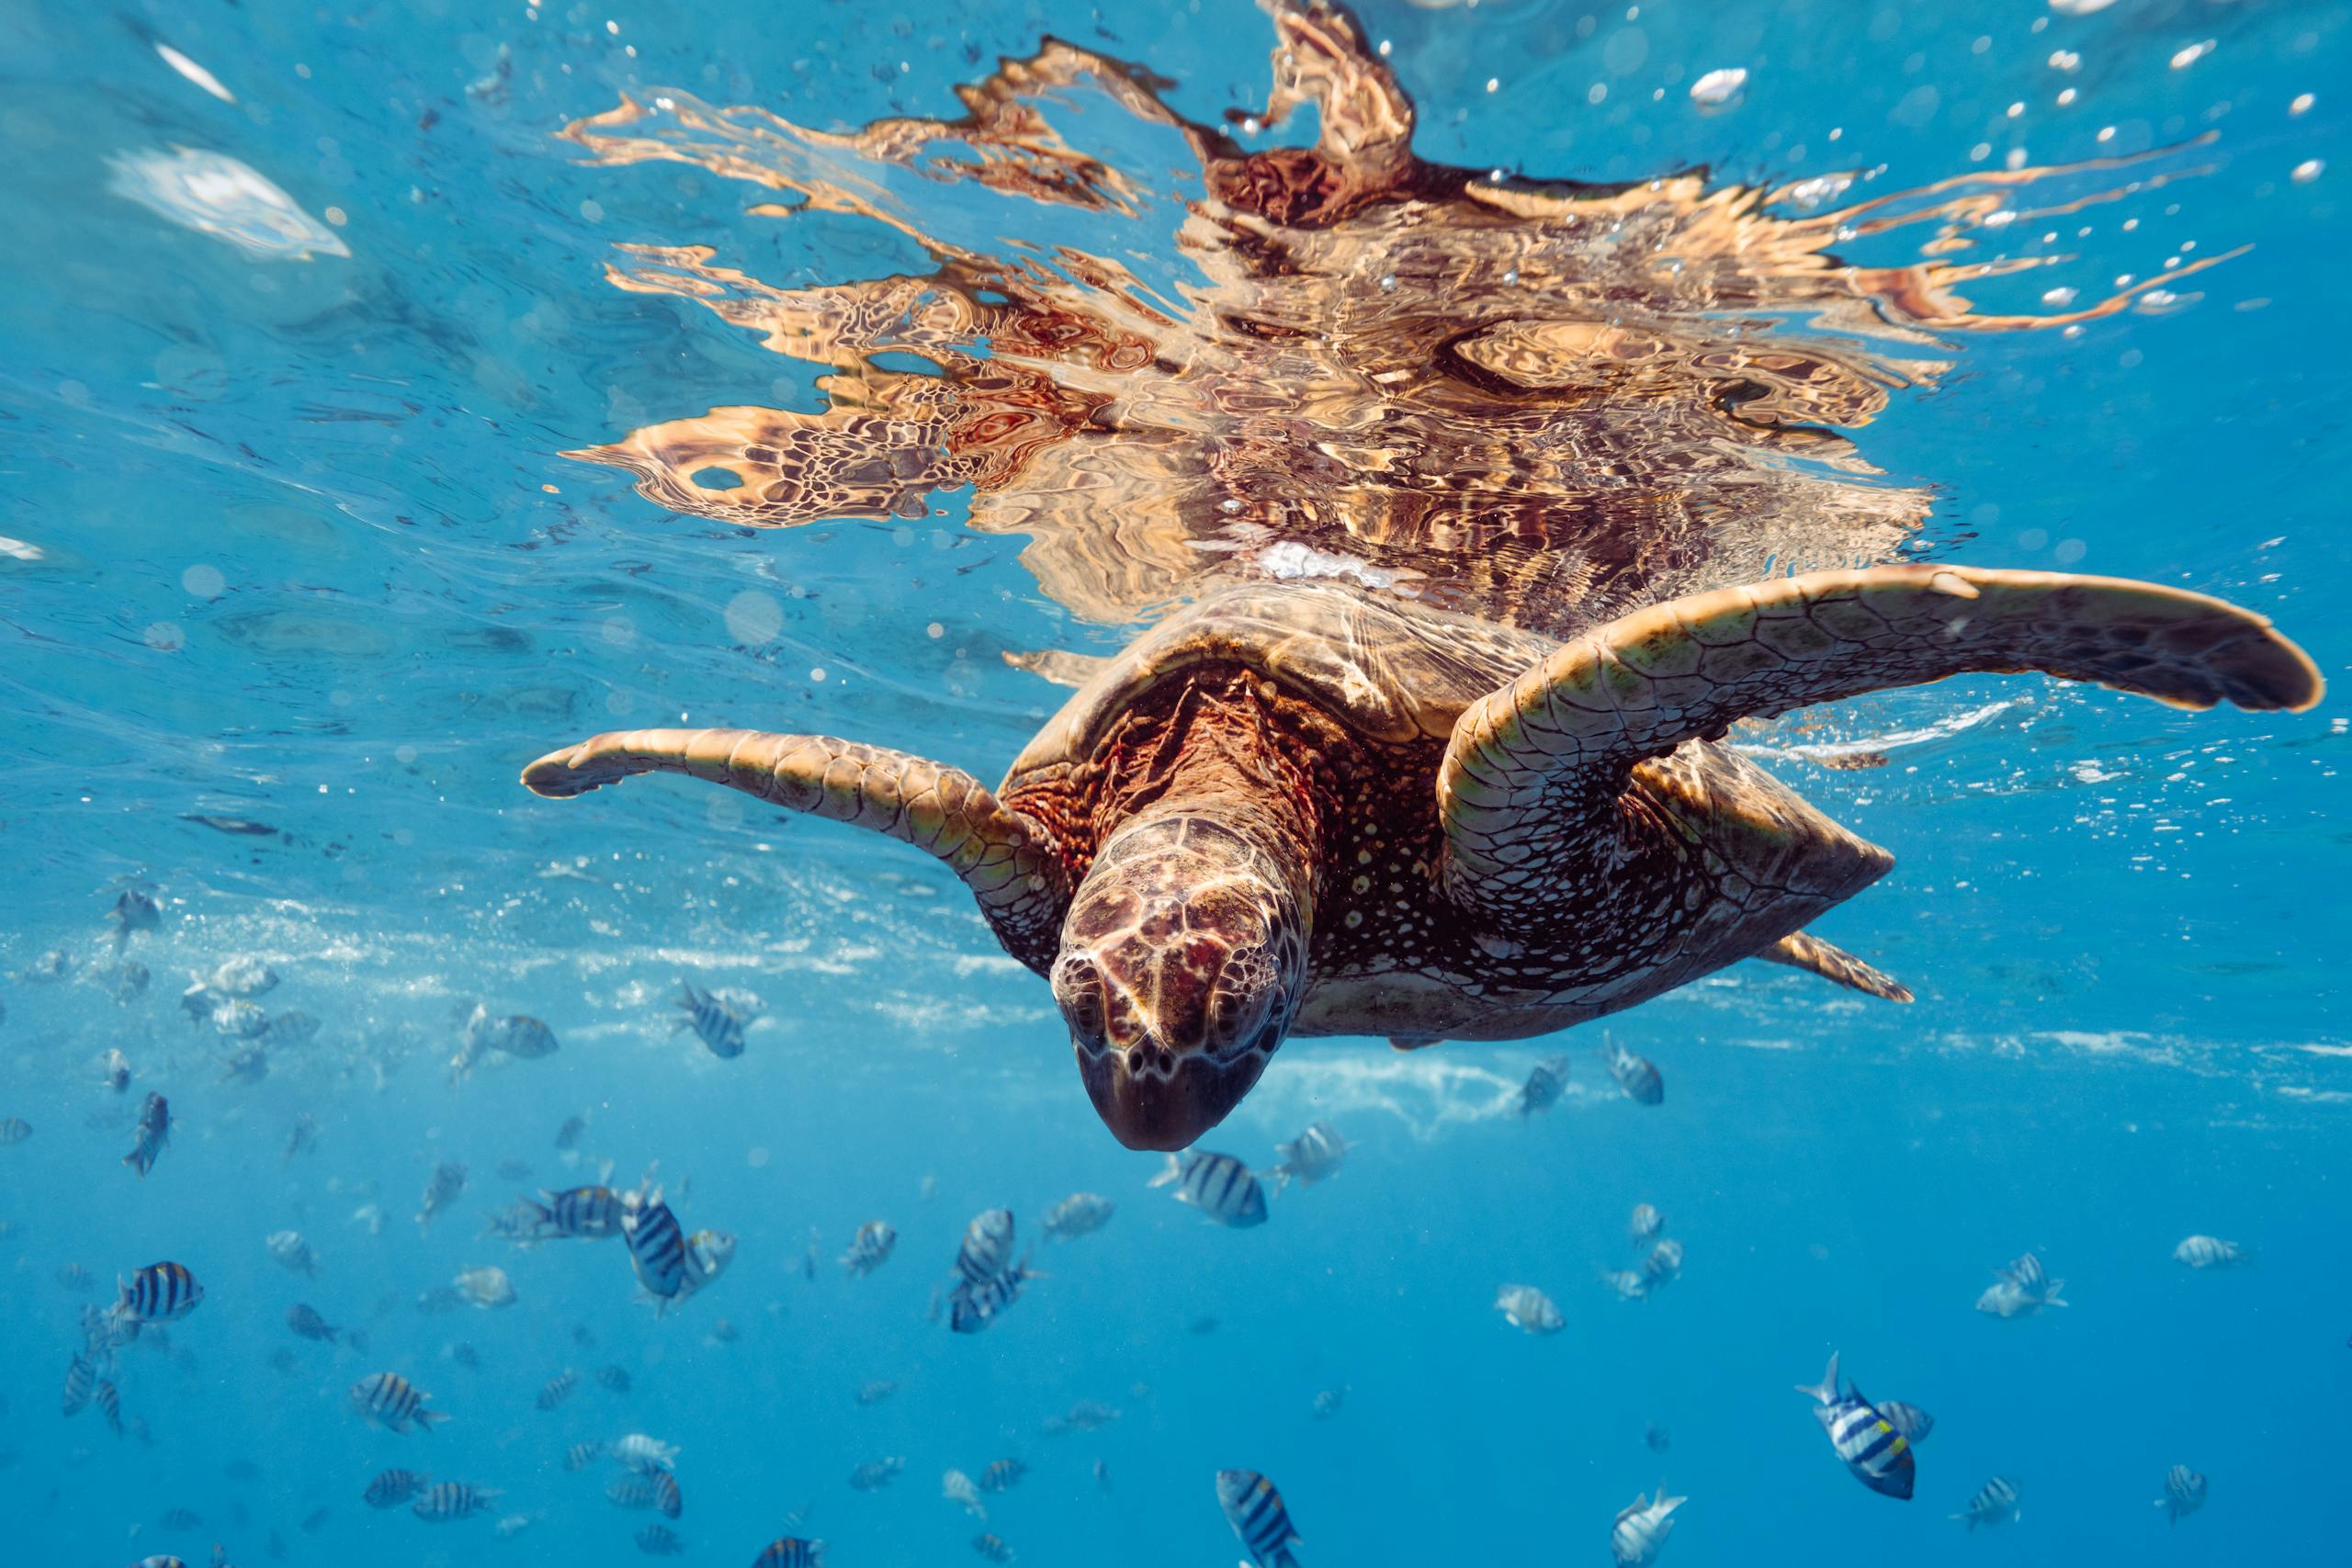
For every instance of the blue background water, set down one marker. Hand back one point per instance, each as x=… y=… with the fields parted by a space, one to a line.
x=300 y=561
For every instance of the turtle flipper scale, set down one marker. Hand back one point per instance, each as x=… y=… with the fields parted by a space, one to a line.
x=1559 y=742
x=1009 y=861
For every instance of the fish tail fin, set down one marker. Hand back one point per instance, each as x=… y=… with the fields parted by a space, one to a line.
x=427 y=1419
x=1173 y=1171
x=1826 y=1391
x=2051 y=1298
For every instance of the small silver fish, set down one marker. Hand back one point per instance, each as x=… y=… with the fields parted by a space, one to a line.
x=1327 y=1403
x=441 y=1189
x=1546 y=1081
x=714 y=1023
x=1644 y=1224
x=957 y=1487
x=487 y=1287
x=153 y=1134
x=1080 y=1214
x=1528 y=1309
x=874 y=1474
x=1310 y=1157
x=1995 y=1503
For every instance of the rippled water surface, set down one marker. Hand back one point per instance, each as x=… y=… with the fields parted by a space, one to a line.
x=392 y=394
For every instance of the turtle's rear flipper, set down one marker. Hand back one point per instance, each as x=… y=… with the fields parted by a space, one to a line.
x=1009 y=861
x=1534 y=770
x=1835 y=964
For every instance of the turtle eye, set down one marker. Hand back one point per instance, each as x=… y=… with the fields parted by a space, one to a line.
x=1078 y=988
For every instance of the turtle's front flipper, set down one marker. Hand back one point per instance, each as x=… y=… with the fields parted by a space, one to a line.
x=1835 y=966
x=1533 y=766
x=1009 y=861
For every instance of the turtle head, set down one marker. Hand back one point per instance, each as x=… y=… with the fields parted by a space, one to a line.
x=1183 y=958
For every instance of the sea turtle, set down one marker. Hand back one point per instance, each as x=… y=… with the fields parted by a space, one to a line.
x=1310 y=807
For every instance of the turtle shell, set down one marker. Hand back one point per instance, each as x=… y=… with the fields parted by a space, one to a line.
x=1395 y=670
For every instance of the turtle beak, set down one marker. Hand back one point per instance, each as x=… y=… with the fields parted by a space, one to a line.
x=1151 y=1098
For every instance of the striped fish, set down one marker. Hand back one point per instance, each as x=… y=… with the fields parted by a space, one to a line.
x=1644 y=1224
x=1914 y=1423
x=1629 y=1286
x=631 y=1491
x=1546 y=1081
x=973 y=1307
x=110 y=1404
x=392 y=1487
x=1002 y=1475
x=1312 y=1156
x=16 y=1129
x=1255 y=1511
x=161 y=1292
x=1217 y=1185
x=791 y=1551
x=1663 y=1265
x=441 y=1189
x=153 y=1134
x=987 y=1248
x=992 y=1547
x=659 y=1541
x=445 y=1500
x=1995 y=1503
x=580 y=1456
x=1642 y=1527
x=583 y=1213
x=714 y=1023
x=1637 y=1076
x=2184 y=1492
x=1526 y=1308
x=657 y=1248
x=81 y=1378
x=292 y=1252
x=160 y=1560
x=390 y=1401
x=614 y=1378
x=1878 y=1455
x=646 y=1455
x=870 y=1250
x=2211 y=1252
x=558 y=1389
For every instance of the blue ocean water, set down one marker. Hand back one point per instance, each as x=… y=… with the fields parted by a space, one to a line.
x=308 y=308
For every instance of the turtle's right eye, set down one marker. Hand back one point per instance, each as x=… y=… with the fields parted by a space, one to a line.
x=1077 y=989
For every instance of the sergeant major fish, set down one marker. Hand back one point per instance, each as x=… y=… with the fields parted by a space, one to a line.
x=445 y=1500
x=390 y=1401
x=292 y=1252
x=1637 y=1076
x=1525 y=1307
x=957 y=1487
x=392 y=1487
x=2201 y=1252
x=1311 y=1156
x=153 y=1135
x=1644 y=1224
x=2183 y=1494
x=714 y=1023
x=1995 y=1503
x=987 y=1247
x=161 y=1292
x=1255 y=1511
x=1878 y=1455
x=1642 y=1527
x=870 y=1250
x=441 y=1189
x=973 y=1307
x=1546 y=1081
x=791 y=1551
x=1219 y=1185
x=1080 y=1214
